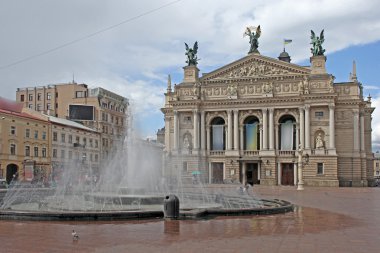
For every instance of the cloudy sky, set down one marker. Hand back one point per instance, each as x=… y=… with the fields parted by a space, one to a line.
x=130 y=47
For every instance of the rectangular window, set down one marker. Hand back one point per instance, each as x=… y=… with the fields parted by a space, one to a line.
x=30 y=106
x=35 y=151
x=30 y=97
x=320 y=168
x=70 y=138
x=91 y=144
x=27 y=151
x=44 y=135
x=54 y=153
x=84 y=141
x=377 y=165
x=63 y=138
x=184 y=167
x=96 y=157
x=79 y=94
x=36 y=134
x=39 y=107
x=13 y=130
x=77 y=139
x=13 y=149
x=27 y=133
x=48 y=96
x=55 y=136
x=84 y=157
x=63 y=154
x=43 y=152
x=70 y=154
x=90 y=157
x=39 y=96
x=22 y=98
x=318 y=114
x=48 y=106
x=96 y=143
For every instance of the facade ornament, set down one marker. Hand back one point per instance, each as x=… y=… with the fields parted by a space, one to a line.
x=196 y=88
x=331 y=84
x=232 y=91
x=268 y=88
x=253 y=38
x=316 y=43
x=306 y=85
x=319 y=142
x=186 y=143
x=191 y=53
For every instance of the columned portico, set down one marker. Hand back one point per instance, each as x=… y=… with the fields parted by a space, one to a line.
x=265 y=129
x=271 y=132
x=196 y=130
x=302 y=124
x=236 y=130
x=229 y=130
x=175 y=137
x=332 y=126
x=203 y=131
x=307 y=127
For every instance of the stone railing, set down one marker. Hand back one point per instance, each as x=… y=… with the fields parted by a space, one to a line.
x=251 y=152
x=286 y=152
x=216 y=152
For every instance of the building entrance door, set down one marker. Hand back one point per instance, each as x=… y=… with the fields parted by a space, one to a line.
x=11 y=173
x=287 y=174
x=217 y=173
x=252 y=173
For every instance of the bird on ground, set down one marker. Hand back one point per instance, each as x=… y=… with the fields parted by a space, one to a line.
x=75 y=235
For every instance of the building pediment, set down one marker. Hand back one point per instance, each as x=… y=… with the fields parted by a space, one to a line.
x=255 y=66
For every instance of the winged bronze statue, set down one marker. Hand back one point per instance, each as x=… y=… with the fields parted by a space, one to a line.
x=253 y=38
x=317 y=42
x=191 y=54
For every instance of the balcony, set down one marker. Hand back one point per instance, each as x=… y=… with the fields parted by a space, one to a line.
x=217 y=152
x=286 y=153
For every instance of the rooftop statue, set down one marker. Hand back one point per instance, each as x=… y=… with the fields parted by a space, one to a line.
x=191 y=54
x=253 y=38
x=317 y=43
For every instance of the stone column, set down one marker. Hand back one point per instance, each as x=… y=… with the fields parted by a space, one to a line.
x=244 y=177
x=277 y=137
x=332 y=126
x=271 y=132
x=241 y=138
x=196 y=130
x=208 y=139
x=362 y=141
x=300 y=170
x=356 y=130
x=229 y=129
x=297 y=136
x=307 y=127
x=302 y=131
x=236 y=130
x=203 y=131
x=265 y=129
x=261 y=137
x=175 y=146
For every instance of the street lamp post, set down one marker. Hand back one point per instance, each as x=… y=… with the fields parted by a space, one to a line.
x=302 y=160
x=300 y=170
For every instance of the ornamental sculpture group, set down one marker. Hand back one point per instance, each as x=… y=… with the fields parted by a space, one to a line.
x=254 y=34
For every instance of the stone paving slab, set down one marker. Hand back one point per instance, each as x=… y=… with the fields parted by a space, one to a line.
x=325 y=220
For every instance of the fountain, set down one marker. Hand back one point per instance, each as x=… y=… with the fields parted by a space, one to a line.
x=131 y=186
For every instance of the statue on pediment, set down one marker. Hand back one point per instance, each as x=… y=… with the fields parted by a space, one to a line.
x=253 y=38
x=317 y=43
x=191 y=53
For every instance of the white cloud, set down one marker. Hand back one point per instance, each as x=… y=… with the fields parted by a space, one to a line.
x=135 y=58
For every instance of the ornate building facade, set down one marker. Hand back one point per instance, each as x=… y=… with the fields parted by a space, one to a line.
x=261 y=120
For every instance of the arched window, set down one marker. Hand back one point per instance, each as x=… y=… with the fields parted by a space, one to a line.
x=287 y=133
x=251 y=133
x=218 y=136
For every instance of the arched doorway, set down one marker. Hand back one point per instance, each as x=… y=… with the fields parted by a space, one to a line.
x=11 y=172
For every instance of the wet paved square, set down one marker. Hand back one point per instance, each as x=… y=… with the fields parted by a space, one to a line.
x=325 y=220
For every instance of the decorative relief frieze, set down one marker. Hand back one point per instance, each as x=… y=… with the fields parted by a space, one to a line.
x=255 y=69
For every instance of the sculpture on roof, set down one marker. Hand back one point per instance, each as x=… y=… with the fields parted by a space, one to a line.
x=253 y=38
x=191 y=54
x=317 y=42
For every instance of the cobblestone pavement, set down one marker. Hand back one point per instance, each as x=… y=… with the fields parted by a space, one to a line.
x=325 y=220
